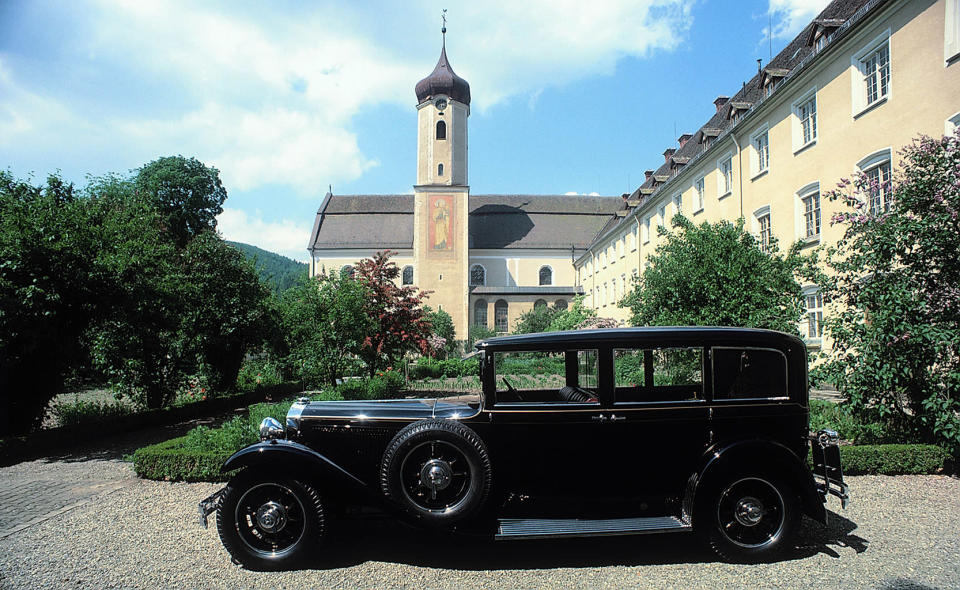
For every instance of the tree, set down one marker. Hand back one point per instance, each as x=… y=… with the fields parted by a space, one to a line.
x=187 y=194
x=572 y=318
x=442 y=335
x=717 y=275
x=401 y=325
x=537 y=319
x=47 y=285
x=895 y=351
x=324 y=322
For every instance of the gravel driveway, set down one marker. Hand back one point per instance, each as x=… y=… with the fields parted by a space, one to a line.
x=900 y=532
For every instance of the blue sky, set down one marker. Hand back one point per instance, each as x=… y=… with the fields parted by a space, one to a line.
x=286 y=98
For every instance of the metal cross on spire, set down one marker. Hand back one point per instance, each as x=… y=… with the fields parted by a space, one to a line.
x=443 y=30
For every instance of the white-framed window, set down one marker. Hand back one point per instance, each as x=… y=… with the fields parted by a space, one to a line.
x=810 y=202
x=501 y=313
x=603 y=259
x=480 y=313
x=620 y=248
x=545 y=275
x=812 y=324
x=871 y=76
x=613 y=291
x=662 y=214
x=725 y=176
x=698 y=188
x=646 y=230
x=951 y=125
x=603 y=300
x=760 y=154
x=407 y=278
x=623 y=281
x=478 y=275
x=611 y=249
x=805 y=121
x=951 y=33
x=632 y=240
x=678 y=203
x=762 y=228
x=876 y=167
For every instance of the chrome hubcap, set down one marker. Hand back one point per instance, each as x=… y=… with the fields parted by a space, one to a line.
x=435 y=475
x=272 y=517
x=749 y=511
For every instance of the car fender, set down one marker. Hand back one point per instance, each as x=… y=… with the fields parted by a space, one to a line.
x=291 y=454
x=763 y=455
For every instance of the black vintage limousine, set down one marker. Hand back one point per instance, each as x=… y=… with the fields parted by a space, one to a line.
x=588 y=433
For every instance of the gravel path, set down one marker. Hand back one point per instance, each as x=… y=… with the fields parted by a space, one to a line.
x=900 y=532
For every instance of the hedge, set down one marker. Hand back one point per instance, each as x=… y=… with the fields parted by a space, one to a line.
x=894 y=459
x=172 y=461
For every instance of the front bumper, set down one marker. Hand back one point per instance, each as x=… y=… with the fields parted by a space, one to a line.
x=827 y=469
x=208 y=505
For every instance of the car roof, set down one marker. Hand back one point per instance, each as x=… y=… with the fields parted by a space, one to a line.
x=664 y=334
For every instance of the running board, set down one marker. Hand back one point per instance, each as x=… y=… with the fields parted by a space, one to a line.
x=541 y=528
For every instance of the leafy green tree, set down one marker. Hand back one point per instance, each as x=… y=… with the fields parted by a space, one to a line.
x=187 y=194
x=47 y=285
x=895 y=339
x=324 y=322
x=401 y=325
x=717 y=275
x=537 y=319
x=443 y=334
x=572 y=318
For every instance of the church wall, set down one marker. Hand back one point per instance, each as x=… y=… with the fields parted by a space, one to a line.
x=511 y=267
x=330 y=260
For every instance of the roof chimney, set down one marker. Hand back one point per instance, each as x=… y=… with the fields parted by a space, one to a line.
x=667 y=153
x=647 y=174
x=720 y=101
x=684 y=139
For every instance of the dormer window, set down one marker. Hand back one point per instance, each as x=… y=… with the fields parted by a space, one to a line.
x=441 y=130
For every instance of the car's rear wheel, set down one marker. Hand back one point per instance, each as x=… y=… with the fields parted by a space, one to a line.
x=269 y=523
x=749 y=517
x=437 y=470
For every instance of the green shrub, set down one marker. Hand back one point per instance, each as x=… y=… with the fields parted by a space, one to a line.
x=826 y=414
x=174 y=460
x=258 y=372
x=893 y=459
x=426 y=368
x=84 y=412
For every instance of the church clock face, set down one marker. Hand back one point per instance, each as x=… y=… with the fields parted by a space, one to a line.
x=440 y=103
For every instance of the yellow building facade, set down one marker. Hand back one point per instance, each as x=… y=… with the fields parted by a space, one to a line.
x=862 y=80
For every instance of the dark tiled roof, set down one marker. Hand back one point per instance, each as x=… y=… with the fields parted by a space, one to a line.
x=443 y=80
x=496 y=221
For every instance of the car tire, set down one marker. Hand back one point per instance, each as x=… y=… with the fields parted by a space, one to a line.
x=438 y=471
x=269 y=523
x=749 y=517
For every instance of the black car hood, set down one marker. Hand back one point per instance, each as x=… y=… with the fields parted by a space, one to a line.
x=394 y=409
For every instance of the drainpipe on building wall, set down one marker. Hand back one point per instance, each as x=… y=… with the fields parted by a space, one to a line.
x=733 y=136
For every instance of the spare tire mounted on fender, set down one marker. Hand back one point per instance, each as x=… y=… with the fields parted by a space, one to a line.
x=437 y=470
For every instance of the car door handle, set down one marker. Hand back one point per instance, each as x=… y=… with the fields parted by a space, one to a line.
x=615 y=418
x=600 y=418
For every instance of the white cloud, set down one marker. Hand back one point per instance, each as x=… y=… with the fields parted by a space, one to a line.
x=273 y=96
x=790 y=16
x=284 y=237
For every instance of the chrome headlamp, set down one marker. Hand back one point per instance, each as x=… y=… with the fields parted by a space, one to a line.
x=270 y=429
x=828 y=438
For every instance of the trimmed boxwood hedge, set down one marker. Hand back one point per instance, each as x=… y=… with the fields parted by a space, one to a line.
x=893 y=459
x=172 y=461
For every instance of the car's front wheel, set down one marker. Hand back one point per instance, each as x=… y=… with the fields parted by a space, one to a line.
x=750 y=517
x=269 y=523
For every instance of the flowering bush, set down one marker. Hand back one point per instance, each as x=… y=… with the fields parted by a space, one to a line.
x=896 y=336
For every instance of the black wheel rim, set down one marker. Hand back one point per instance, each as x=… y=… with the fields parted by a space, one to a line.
x=270 y=519
x=435 y=477
x=750 y=513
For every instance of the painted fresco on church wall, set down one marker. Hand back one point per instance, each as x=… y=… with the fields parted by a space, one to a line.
x=441 y=223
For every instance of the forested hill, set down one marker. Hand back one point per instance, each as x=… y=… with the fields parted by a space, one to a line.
x=275 y=270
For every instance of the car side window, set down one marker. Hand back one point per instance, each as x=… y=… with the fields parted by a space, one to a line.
x=554 y=377
x=658 y=374
x=749 y=373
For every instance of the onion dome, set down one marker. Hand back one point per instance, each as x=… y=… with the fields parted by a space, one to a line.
x=443 y=80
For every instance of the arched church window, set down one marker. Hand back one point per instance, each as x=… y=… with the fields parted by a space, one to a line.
x=441 y=130
x=439 y=169
x=346 y=272
x=546 y=275
x=480 y=313
x=408 y=275
x=539 y=303
x=560 y=304
x=478 y=275
x=500 y=316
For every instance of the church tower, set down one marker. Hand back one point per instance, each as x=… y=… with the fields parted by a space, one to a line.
x=441 y=194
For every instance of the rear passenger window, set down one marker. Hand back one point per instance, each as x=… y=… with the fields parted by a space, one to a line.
x=658 y=374
x=749 y=373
